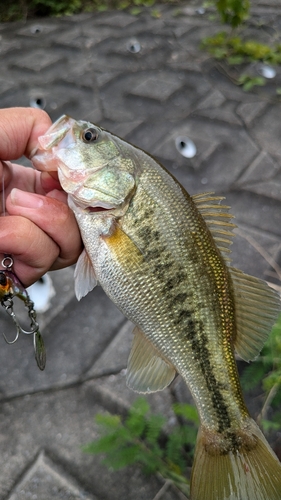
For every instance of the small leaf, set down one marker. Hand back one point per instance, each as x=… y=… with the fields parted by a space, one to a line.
x=267 y=425
x=187 y=411
x=232 y=60
x=155 y=13
x=107 y=420
x=123 y=457
x=154 y=427
x=135 y=11
x=252 y=375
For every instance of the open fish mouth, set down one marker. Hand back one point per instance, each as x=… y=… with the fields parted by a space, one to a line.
x=97 y=209
x=91 y=206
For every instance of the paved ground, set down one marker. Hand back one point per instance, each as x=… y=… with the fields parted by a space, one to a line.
x=145 y=79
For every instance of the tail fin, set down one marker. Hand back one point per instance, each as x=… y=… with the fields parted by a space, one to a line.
x=240 y=466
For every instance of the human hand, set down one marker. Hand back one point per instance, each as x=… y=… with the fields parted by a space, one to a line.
x=38 y=229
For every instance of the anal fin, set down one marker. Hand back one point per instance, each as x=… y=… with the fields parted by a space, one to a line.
x=148 y=370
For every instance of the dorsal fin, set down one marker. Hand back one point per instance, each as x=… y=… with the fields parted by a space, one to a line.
x=148 y=370
x=217 y=219
x=257 y=309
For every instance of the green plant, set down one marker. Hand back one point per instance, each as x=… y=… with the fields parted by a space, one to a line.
x=248 y=81
x=233 y=12
x=20 y=9
x=237 y=51
x=140 y=439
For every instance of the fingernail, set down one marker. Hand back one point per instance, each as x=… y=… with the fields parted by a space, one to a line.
x=24 y=199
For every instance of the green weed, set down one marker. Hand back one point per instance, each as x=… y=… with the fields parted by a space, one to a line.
x=140 y=439
x=21 y=9
x=237 y=51
x=232 y=12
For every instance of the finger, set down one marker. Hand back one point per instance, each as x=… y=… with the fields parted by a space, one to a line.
x=20 y=129
x=5 y=174
x=53 y=217
x=49 y=181
x=33 y=250
x=24 y=178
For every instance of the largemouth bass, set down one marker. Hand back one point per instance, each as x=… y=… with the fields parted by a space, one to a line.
x=159 y=254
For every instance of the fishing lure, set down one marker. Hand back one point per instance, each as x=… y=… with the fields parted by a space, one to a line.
x=10 y=287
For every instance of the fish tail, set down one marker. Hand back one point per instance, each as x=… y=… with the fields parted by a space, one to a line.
x=239 y=465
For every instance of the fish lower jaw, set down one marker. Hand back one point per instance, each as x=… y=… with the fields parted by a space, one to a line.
x=88 y=208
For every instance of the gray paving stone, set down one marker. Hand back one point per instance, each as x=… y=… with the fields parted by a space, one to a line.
x=226 y=112
x=270 y=188
x=263 y=168
x=38 y=60
x=6 y=83
x=221 y=158
x=159 y=88
x=267 y=130
x=250 y=110
x=8 y=45
x=214 y=99
x=115 y=357
x=57 y=99
x=250 y=249
x=44 y=480
x=38 y=29
x=260 y=212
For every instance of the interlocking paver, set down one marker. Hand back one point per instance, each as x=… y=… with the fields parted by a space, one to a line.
x=147 y=80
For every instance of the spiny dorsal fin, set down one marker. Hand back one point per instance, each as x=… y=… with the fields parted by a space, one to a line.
x=257 y=308
x=147 y=371
x=217 y=219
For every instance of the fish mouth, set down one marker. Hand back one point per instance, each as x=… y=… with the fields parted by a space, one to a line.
x=97 y=209
x=43 y=157
x=95 y=206
x=55 y=134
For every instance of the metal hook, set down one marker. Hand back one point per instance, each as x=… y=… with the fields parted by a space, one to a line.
x=8 y=306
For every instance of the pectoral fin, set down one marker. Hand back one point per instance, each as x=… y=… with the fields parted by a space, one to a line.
x=257 y=308
x=84 y=276
x=148 y=370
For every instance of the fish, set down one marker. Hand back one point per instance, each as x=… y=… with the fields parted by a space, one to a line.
x=162 y=256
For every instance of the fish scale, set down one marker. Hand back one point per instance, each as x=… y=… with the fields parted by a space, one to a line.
x=160 y=255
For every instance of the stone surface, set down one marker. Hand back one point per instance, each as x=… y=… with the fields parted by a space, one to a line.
x=145 y=79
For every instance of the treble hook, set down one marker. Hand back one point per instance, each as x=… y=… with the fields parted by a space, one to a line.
x=10 y=286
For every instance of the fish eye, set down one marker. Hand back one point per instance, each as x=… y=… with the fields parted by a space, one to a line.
x=90 y=135
x=3 y=279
